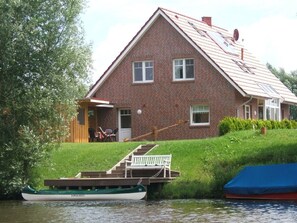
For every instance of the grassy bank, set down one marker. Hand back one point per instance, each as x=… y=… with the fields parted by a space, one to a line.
x=205 y=165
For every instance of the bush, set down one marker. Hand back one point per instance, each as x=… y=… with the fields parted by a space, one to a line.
x=230 y=124
x=226 y=125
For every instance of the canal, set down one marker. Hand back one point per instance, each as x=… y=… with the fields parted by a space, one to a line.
x=148 y=211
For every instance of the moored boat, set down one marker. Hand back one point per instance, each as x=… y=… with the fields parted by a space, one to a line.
x=266 y=182
x=134 y=193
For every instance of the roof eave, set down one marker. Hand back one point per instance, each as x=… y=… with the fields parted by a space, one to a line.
x=94 y=101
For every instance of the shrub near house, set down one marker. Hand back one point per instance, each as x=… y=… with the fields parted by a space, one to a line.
x=231 y=124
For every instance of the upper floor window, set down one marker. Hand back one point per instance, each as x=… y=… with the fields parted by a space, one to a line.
x=200 y=115
x=183 y=69
x=143 y=71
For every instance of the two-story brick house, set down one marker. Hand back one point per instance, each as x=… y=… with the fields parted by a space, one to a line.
x=180 y=68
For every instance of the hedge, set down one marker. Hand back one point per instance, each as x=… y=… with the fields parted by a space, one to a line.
x=230 y=124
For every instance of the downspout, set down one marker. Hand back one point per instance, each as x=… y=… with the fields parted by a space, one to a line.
x=248 y=101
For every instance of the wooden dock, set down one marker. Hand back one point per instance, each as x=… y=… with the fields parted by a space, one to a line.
x=115 y=176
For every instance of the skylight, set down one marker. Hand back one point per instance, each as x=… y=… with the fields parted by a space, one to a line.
x=243 y=66
x=222 y=42
x=200 y=31
x=268 y=89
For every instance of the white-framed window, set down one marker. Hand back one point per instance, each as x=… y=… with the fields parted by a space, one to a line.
x=183 y=69
x=125 y=118
x=247 y=111
x=260 y=109
x=200 y=115
x=272 y=108
x=143 y=71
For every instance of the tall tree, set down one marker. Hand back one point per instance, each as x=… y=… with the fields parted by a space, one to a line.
x=44 y=66
x=288 y=79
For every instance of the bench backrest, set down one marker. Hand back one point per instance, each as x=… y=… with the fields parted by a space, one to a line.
x=151 y=160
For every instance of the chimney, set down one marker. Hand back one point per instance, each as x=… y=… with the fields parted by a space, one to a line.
x=207 y=20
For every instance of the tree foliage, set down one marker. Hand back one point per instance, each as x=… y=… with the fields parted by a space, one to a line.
x=44 y=66
x=288 y=79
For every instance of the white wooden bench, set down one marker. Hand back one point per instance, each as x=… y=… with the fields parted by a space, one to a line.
x=144 y=162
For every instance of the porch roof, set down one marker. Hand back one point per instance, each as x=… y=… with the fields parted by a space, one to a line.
x=96 y=102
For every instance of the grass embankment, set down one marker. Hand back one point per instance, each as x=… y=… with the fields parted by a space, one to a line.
x=205 y=165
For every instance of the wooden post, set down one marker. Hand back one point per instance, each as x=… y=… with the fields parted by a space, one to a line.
x=263 y=130
x=155 y=133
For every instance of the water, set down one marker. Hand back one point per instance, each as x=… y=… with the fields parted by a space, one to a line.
x=148 y=211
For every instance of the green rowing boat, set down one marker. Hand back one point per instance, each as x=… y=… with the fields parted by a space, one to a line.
x=134 y=193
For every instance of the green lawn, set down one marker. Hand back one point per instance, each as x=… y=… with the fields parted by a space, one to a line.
x=205 y=165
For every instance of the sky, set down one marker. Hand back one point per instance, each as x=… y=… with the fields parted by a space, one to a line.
x=268 y=28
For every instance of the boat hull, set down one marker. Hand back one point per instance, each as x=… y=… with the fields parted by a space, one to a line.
x=265 y=182
x=285 y=196
x=135 y=193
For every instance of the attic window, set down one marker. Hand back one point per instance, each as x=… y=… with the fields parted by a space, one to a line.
x=243 y=66
x=183 y=69
x=268 y=89
x=200 y=31
x=143 y=72
x=223 y=42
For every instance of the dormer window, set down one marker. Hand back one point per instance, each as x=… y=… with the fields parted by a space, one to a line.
x=223 y=42
x=143 y=72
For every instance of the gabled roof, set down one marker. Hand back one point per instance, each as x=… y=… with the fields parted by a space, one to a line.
x=218 y=47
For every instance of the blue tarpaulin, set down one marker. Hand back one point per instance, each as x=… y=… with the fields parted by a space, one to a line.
x=268 y=179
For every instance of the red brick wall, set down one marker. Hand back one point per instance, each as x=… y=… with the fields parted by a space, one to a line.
x=163 y=102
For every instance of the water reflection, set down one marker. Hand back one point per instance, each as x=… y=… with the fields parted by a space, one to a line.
x=148 y=211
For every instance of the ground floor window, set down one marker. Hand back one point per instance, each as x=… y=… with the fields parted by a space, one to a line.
x=272 y=108
x=260 y=109
x=269 y=109
x=200 y=115
x=247 y=111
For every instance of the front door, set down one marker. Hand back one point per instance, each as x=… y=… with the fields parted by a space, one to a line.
x=124 y=124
